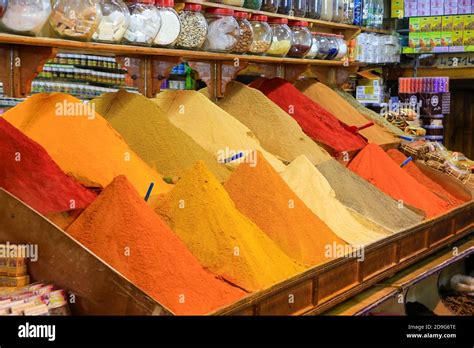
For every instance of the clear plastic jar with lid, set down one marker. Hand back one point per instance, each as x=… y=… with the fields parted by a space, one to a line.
x=282 y=35
x=341 y=47
x=314 y=48
x=223 y=30
x=170 y=24
x=323 y=46
x=114 y=23
x=75 y=19
x=326 y=10
x=299 y=8
x=270 y=6
x=348 y=17
x=338 y=11
x=313 y=9
x=145 y=22
x=3 y=7
x=302 y=39
x=25 y=17
x=253 y=4
x=246 y=33
x=193 y=28
x=286 y=7
x=333 y=46
x=262 y=34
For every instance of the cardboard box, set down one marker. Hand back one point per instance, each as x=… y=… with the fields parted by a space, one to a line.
x=369 y=89
x=458 y=23
x=468 y=39
x=414 y=41
x=446 y=38
x=437 y=11
x=457 y=38
x=447 y=23
x=435 y=40
x=425 y=42
x=435 y=23
x=425 y=24
x=414 y=25
x=469 y=22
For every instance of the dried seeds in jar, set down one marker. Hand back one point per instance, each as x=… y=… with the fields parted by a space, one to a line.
x=193 y=28
x=246 y=33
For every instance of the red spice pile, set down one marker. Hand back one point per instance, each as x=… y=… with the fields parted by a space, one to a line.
x=30 y=174
x=122 y=230
x=412 y=169
x=373 y=164
x=317 y=122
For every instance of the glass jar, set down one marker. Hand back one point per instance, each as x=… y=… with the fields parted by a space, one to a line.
x=170 y=24
x=282 y=35
x=326 y=10
x=314 y=48
x=145 y=22
x=253 y=4
x=323 y=46
x=193 y=28
x=333 y=46
x=270 y=6
x=301 y=41
x=75 y=19
x=246 y=33
x=3 y=7
x=223 y=30
x=337 y=11
x=313 y=9
x=114 y=23
x=348 y=17
x=286 y=7
x=26 y=17
x=341 y=47
x=262 y=35
x=299 y=8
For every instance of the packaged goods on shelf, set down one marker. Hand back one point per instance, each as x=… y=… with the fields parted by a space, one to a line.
x=377 y=48
x=253 y=4
x=270 y=6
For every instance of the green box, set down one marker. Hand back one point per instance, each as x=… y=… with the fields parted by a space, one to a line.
x=468 y=38
x=414 y=24
x=414 y=41
x=425 y=24
x=457 y=38
x=425 y=42
x=447 y=23
x=446 y=38
x=435 y=23
x=458 y=23
x=399 y=14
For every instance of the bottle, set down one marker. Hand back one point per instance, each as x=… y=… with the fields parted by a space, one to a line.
x=366 y=5
x=378 y=14
x=357 y=12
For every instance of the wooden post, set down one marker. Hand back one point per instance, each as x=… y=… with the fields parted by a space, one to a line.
x=6 y=73
x=293 y=71
x=226 y=72
x=138 y=69
x=207 y=73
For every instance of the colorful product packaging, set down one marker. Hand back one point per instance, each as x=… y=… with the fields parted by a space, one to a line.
x=425 y=24
x=446 y=38
x=414 y=41
x=435 y=40
x=458 y=23
x=469 y=22
x=435 y=23
x=414 y=24
x=425 y=42
x=446 y=23
x=397 y=9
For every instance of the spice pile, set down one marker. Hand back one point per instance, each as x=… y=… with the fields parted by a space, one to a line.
x=263 y=196
x=374 y=165
x=412 y=169
x=150 y=133
x=211 y=127
x=201 y=213
x=29 y=173
x=123 y=231
x=366 y=199
x=81 y=141
x=344 y=111
x=314 y=190
x=315 y=121
x=275 y=129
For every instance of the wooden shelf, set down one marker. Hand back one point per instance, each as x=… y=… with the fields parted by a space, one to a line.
x=127 y=50
x=316 y=23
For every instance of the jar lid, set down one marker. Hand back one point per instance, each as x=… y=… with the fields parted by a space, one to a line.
x=193 y=7
x=298 y=24
x=164 y=3
x=259 y=18
x=221 y=11
x=243 y=15
x=148 y=2
x=277 y=20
